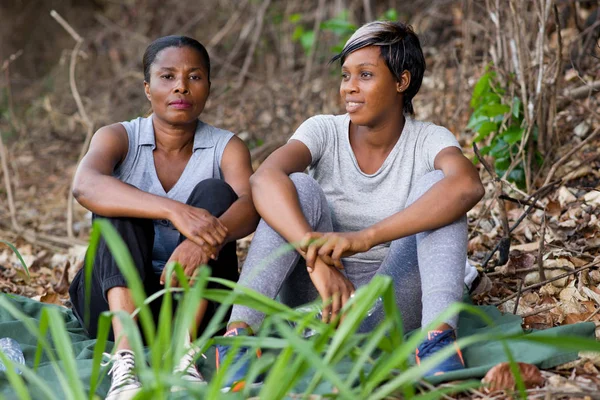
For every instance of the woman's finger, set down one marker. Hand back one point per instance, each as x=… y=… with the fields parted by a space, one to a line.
x=345 y=298
x=327 y=248
x=326 y=314
x=336 y=304
x=209 y=239
x=311 y=256
x=336 y=255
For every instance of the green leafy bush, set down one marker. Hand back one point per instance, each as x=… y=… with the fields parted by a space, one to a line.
x=501 y=124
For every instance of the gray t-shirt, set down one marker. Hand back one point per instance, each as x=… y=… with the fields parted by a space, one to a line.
x=358 y=200
x=138 y=170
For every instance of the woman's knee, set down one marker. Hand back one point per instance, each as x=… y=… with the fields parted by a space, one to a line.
x=307 y=187
x=214 y=195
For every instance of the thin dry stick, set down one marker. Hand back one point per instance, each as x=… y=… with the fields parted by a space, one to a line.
x=518 y=296
x=259 y=22
x=540 y=260
x=6 y=70
x=538 y=285
x=368 y=10
x=498 y=192
x=320 y=14
x=568 y=156
x=83 y=114
x=9 y=193
x=592 y=315
x=216 y=39
x=538 y=311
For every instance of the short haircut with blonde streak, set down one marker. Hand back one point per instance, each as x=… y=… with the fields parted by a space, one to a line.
x=400 y=49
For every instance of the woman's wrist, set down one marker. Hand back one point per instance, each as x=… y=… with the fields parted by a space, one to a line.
x=369 y=236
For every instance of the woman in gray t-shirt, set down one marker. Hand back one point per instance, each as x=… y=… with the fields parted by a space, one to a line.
x=385 y=195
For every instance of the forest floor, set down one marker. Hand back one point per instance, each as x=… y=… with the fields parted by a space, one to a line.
x=549 y=275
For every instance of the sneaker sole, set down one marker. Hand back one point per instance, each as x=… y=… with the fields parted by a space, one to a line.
x=237 y=387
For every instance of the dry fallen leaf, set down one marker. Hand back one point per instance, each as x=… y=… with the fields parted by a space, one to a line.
x=500 y=377
x=51 y=298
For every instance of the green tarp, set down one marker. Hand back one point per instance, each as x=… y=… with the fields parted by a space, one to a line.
x=479 y=358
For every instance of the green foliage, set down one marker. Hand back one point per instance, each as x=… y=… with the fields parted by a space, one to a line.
x=340 y=26
x=379 y=361
x=501 y=124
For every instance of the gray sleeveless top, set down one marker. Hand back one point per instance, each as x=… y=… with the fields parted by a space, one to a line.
x=138 y=170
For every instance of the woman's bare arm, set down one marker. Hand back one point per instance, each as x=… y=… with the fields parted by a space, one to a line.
x=274 y=194
x=241 y=218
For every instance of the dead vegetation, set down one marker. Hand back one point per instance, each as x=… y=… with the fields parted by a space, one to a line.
x=539 y=244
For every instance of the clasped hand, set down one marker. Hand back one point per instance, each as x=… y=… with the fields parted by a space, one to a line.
x=190 y=256
x=199 y=226
x=332 y=246
x=205 y=235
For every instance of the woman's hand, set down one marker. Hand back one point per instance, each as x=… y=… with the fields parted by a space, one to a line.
x=333 y=287
x=199 y=226
x=332 y=246
x=190 y=256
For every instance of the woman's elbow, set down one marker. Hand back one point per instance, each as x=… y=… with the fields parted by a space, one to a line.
x=477 y=191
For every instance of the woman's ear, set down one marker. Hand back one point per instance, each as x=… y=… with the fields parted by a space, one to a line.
x=147 y=90
x=404 y=82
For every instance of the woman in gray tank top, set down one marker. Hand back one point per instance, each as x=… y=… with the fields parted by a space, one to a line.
x=385 y=195
x=174 y=187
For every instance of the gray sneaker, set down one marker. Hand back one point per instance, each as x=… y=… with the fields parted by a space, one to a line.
x=124 y=383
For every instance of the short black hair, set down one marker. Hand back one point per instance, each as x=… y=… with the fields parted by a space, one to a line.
x=400 y=48
x=172 y=41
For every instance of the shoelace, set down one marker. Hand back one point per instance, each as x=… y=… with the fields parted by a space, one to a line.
x=122 y=369
x=436 y=343
x=187 y=364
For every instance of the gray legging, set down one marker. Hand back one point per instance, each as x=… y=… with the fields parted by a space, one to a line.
x=427 y=268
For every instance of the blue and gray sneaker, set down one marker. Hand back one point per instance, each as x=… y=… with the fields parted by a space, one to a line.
x=239 y=365
x=437 y=340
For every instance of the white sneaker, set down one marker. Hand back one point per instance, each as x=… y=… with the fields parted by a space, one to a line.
x=187 y=366
x=124 y=383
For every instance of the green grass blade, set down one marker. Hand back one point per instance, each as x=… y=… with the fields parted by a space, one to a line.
x=14 y=249
x=104 y=326
x=64 y=348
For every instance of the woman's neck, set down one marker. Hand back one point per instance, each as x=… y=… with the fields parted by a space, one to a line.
x=383 y=136
x=173 y=138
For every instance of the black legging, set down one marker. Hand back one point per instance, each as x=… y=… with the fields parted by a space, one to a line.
x=213 y=195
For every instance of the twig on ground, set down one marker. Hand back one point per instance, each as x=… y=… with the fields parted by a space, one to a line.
x=568 y=156
x=518 y=296
x=592 y=315
x=82 y=113
x=430 y=387
x=520 y=202
x=538 y=285
x=504 y=243
x=540 y=260
x=544 y=190
x=9 y=194
x=258 y=30
x=539 y=310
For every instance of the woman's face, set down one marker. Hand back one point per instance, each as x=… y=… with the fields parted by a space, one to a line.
x=178 y=86
x=369 y=90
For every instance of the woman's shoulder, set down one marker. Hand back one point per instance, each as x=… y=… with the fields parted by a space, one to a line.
x=427 y=128
x=208 y=135
x=325 y=122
